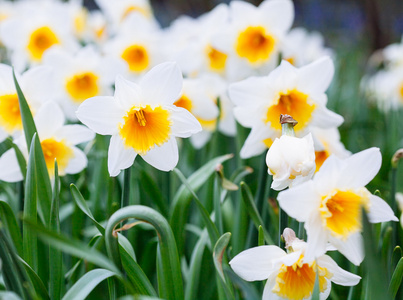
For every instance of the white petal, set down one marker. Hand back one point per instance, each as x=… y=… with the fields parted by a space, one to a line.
x=340 y=276
x=162 y=84
x=327 y=177
x=316 y=77
x=184 y=124
x=277 y=14
x=268 y=289
x=49 y=119
x=360 y=168
x=283 y=78
x=250 y=91
x=352 y=248
x=380 y=211
x=256 y=263
x=200 y=139
x=9 y=168
x=77 y=163
x=119 y=157
x=76 y=134
x=101 y=114
x=317 y=237
x=248 y=116
x=299 y=201
x=165 y=157
x=325 y=118
x=127 y=93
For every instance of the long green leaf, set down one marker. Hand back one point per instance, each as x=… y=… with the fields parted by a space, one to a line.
x=218 y=258
x=168 y=250
x=182 y=199
x=253 y=212
x=82 y=204
x=10 y=223
x=36 y=281
x=72 y=247
x=396 y=279
x=84 y=286
x=30 y=244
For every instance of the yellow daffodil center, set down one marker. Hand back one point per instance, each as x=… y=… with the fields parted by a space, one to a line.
x=40 y=40
x=320 y=157
x=296 y=282
x=82 y=86
x=401 y=92
x=291 y=60
x=268 y=142
x=136 y=57
x=255 y=44
x=293 y=103
x=10 y=117
x=207 y=124
x=184 y=102
x=341 y=211
x=80 y=20
x=145 y=127
x=58 y=150
x=216 y=59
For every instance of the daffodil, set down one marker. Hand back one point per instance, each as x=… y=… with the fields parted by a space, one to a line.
x=253 y=37
x=332 y=202
x=299 y=92
x=142 y=119
x=38 y=87
x=81 y=75
x=37 y=27
x=58 y=142
x=290 y=275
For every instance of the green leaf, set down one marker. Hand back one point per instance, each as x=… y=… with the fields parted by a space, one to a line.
x=316 y=291
x=169 y=254
x=218 y=253
x=152 y=189
x=84 y=286
x=82 y=204
x=261 y=236
x=396 y=279
x=72 y=247
x=21 y=160
x=253 y=212
x=30 y=244
x=182 y=199
x=9 y=221
x=36 y=281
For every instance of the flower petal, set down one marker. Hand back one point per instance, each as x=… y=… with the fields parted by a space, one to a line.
x=277 y=14
x=380 y=211
x=100 y=114
x=76 y=134
x=250 y=91
x=340 y=276
x=127 y=93
x=49 y=118
x=77 y=163
x=184 y=124
x=119 y=157
x=256 y=263
x=268 y=289
x=165 y=157
x=162 y=84
x=317 y=237
x=352 y=248
x=316 y=77
x=9 y=168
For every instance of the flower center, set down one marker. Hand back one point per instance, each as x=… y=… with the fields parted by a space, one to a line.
x=401 y=92
x=80 y=20
x=254 y=44
x=144 y=128
x=341 y=211
x=132 y=8
x=40 y=40
x=184 y=102
x=58 y=150
x=82 y=86
x=216 y=59
x=296 y=282
x=10 y=117
x=136 y=57
x=293 y=103
x=320 y=157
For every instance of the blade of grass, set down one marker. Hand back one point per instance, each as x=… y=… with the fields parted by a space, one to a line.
x=9 y=221
x=396 y=279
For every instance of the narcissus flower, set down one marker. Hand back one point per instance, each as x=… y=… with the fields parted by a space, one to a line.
x=142 y=119
x=331 y=204
x=58 y=141
x=259 y=101
x=290 y=275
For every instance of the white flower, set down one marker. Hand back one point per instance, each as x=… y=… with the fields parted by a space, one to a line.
x=291 y=161
x=331 y=204
x=58 y=141
x=290 y=275
x=142 y=119
x=259 y=101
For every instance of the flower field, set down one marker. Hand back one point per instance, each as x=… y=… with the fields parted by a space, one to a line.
x=226 y=156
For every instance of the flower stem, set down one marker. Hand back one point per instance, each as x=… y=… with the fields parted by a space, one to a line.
x=126 y=188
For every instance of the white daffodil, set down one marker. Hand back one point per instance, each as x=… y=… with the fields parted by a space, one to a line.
x=193 y=50
x=299 y=92
x=58 y=141
x=291 y=161
x=327 y=142
x=331 y=204
x=393 y=55
x=142 y=119
x=253 y=37
x=81 y=76
x=290 y=275
x=38 y=26
x=301 y=47
x=399 y=200
x=137 y=45
x=38 y=87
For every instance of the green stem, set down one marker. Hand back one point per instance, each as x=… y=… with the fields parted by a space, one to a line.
x=126 y=188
